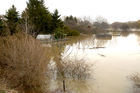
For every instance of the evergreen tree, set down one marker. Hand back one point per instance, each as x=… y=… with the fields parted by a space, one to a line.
x=12 y=17
x=1 y=27
x=70 y=20
x=39 y=17
x=56 y=21
x=1 y=24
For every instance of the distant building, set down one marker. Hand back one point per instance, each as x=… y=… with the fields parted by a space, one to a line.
x=43 y=37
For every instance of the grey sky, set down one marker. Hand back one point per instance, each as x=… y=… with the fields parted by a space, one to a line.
x=113 y=10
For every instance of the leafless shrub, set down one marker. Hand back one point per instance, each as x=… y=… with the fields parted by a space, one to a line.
x=72 y=69
x=23 y=63
x=75 y=69
x=64 y=67
x=135 y=78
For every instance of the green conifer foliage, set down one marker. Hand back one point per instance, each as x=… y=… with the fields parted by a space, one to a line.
x=12 y=17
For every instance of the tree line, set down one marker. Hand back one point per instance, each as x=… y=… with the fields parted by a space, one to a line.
x=35 y=19
x=126 y=26
x=100 y=24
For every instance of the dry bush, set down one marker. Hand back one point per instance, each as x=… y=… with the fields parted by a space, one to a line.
x=135 y=78
x=74 y=69
x=23 y=63
x=67 y=69
x=63 y=68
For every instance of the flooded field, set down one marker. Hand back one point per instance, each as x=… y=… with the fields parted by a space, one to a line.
x=114 y=59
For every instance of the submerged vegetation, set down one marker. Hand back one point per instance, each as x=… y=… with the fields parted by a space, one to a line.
x=136 y=79
x=24 y=65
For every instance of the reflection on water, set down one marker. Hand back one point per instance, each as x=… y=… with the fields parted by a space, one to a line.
x=114 y=60
x=74 y=86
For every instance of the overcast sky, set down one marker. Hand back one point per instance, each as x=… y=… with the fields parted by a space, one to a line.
x=112 y=10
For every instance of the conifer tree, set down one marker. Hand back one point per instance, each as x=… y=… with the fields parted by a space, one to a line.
x=1 y=27
x=39 y=17
x=1 y=24
x=12 y=17
x=56 y=21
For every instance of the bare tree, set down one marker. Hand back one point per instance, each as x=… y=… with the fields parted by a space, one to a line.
x=100 y=24
x=100 y=19
x=26 y=25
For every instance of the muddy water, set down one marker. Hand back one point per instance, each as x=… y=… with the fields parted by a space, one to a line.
x=114 y=60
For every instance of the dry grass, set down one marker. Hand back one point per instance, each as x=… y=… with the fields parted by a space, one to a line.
x=23 y=63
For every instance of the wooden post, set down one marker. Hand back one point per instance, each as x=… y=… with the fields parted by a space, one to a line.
x=64 y=86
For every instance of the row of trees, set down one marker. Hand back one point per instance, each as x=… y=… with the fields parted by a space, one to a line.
x=35 y=19
x=86 y=25
x=82 y=25
x=125 y=26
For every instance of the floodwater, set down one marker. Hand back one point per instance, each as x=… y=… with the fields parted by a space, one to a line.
x=114 y=59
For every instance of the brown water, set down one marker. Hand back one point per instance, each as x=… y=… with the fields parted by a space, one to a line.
x=117 y=58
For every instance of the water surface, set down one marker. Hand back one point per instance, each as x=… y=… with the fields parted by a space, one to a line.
x=115 y=60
